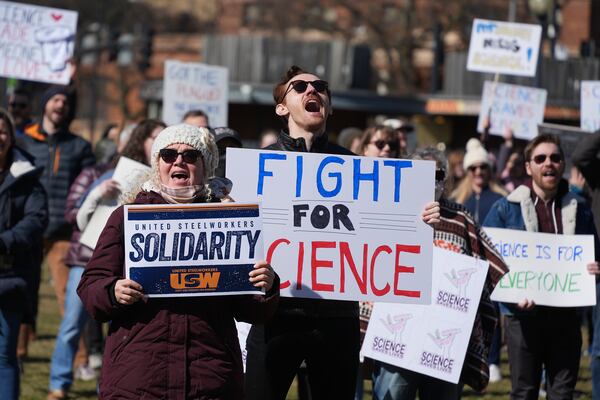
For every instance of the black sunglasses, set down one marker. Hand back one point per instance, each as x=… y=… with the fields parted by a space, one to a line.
x=380 y=144
x=554 y=157
x=170 y=156
x=300 y=86
x=17 y=105
x=482 y=167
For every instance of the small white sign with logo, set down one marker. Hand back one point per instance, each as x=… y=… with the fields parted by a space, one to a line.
x=431 y=339
x=195 y=86
x=590 y=105
x=546 y=268
x=36 y=42
x=504 y=47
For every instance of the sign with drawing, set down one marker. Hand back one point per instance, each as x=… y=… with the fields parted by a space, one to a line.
x=431 y=339
x=504 y=47
x=546 y=268
x=341 y=227
x=36 y=42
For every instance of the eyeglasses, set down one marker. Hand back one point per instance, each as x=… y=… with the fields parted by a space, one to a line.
x=541 y=158
x=14 y=104
x=380 y=144
x=483 y=167
x=170 y=156
x=300 y=86
x=440 y=174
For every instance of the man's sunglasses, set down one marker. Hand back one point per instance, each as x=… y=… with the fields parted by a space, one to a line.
x=17 y=105
x=554 y=157
x=380 y=144
x=170 y=156
x=300 y=86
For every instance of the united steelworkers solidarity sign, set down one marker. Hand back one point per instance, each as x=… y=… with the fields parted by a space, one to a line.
x=341 y=227
x=193 y=250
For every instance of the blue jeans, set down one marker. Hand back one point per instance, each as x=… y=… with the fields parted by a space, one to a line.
x=67 y=340
x=395 y=383
x=9 y=368
x=595 y=353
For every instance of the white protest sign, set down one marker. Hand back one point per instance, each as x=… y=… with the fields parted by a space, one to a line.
x=546 y=268
x=193 y=249
x=341 y=227
x=520 y=108
x=590 y=105
x=127 y=173
x=504 y=47
x=431 y=339
x=195 y=86
x=36 y=42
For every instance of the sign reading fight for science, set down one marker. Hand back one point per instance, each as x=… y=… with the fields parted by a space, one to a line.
x=548 y=269
x=195 y=86
x=193 y=250
x=431 y=339
x=341 y=227
x=519 y=108
x=36 y=42
x=590 y=105
x=504 y=47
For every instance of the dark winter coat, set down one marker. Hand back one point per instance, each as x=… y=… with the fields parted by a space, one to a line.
x=167 y=348
x=586 y=158
x=313 y=307
x=23 y=219
x=63 y=156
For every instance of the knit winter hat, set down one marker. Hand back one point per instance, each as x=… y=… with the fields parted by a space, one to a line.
x=475 y=154
x=199 y=138
x=53 y=91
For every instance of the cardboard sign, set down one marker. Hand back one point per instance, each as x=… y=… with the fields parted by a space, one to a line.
x=341 y=227
x=432 y=339
x=548 y=269
x=195 y=86
x=193 y=250
x=127 y=173
x=36 y=42
x=504 y=47
x=590 y=105
x=520 y=108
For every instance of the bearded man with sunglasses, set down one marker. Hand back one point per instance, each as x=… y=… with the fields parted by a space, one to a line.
x=324 y=333
x=540 y=335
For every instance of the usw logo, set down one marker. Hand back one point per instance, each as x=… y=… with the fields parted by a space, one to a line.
x=195 y=280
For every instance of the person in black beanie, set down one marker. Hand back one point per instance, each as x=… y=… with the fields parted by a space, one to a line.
x=63 y=155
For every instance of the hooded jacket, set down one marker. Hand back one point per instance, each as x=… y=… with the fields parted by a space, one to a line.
x=62 y=156
x=313 y=307
x=167 y=348
x=22 y=221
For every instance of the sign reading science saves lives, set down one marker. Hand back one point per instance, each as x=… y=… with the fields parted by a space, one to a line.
x=432 y=339
x=192 y=250
x=341 y=227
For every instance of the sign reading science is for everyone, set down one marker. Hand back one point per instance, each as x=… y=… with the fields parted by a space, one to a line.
x=546 y=268
x=341 y=227
x=431 y=339
x=192 y=250
x=504 y=47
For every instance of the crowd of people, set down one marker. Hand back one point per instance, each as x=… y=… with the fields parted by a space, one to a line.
x=51 y=182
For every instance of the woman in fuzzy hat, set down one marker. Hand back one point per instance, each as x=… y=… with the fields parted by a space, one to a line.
x=170 y=348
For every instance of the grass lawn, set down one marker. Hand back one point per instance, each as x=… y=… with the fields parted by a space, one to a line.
x=34 y=382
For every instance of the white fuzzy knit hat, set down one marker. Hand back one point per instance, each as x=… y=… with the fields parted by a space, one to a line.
x=476 y=154
x=199 y=138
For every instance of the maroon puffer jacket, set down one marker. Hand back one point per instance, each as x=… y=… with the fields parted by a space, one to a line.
x=169 y=348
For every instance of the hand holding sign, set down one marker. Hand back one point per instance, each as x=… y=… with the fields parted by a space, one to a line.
x=262 y=276
x=128 y=292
